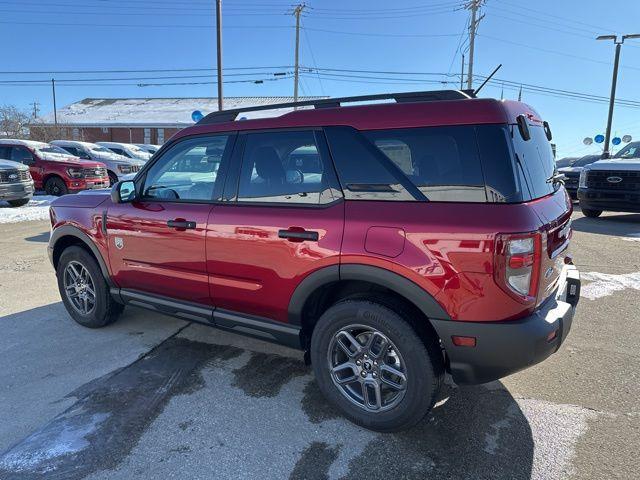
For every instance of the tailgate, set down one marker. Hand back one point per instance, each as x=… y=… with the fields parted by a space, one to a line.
x=554 y=212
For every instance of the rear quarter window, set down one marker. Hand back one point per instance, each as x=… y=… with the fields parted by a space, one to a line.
x=535 y=157
x=442 y=162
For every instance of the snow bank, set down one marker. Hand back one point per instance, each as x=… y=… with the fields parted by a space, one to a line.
x=36 y=209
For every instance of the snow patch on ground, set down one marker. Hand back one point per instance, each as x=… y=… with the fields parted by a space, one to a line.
x=604 y=284
x=36 y=209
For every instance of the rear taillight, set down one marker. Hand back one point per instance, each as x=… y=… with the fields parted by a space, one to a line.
x=518 y=264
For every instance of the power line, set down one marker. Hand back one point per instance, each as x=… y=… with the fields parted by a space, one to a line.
x=198 y=69
x=378 y=34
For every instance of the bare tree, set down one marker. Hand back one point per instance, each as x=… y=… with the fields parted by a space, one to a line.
x=47 y=133
x=14 y=123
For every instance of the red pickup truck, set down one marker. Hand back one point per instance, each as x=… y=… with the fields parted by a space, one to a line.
x=53 y=169
x=391 y=242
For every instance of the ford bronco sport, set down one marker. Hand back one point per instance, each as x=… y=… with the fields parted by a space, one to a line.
x=391 y=242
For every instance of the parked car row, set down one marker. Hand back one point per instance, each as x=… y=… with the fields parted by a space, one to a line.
x=65 y=166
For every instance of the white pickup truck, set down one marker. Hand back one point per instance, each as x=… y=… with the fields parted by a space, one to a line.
x=612 y=184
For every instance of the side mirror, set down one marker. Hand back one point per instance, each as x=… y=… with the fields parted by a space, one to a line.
x=123 y=192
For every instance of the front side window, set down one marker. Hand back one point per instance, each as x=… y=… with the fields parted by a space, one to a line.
x=285 y=167
x=188 y=171
x=21 y=154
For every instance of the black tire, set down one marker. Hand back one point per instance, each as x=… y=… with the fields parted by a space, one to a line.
x=55 y=186
x=423 y=362
x=113 y=178
x=18 y=203
x=105 y=310
x=587 y=212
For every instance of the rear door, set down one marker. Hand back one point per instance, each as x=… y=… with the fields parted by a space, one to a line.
x=157 y=244
x=283 y=219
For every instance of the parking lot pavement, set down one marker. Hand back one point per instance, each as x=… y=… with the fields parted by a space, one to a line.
x=154 y=397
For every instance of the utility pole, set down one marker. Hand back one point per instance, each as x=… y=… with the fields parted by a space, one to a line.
x=614 y=81
x=462 y=74
x=296 y=76
x=55 y=109
x=474 y=6
x=36 y=108
x=219 y=48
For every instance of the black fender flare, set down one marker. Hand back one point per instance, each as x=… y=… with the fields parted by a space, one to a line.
x=376 y=275
x=71 y=231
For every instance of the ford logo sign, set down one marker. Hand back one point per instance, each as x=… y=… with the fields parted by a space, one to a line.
x=614 y=179
x=13 y=176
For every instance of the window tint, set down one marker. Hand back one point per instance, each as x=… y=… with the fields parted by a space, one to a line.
x=366 y=173
x=188 y=171
x=120 y=151
x=441 y=161
x=503 y=180
x=285 y=167
x=536 y=157
x=630 y=151
x=20 y=154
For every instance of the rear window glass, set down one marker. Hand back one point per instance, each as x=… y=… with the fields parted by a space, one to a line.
x=536 y=159
x=441 y=161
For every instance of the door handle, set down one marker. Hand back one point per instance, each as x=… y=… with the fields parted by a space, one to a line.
x=298 y=235
x=180 y=224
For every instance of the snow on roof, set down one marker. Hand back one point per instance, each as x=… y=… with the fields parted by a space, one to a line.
x=26 y=143
x=153 y=112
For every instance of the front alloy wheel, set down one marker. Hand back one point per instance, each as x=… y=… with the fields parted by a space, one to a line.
x=367 y=368
x=79 y=288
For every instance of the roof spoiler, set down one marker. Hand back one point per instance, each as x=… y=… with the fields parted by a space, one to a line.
x=403 y=97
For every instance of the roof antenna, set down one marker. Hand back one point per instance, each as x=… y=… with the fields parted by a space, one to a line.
x=475 y=92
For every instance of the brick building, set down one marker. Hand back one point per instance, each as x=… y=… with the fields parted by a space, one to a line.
x=139 y=120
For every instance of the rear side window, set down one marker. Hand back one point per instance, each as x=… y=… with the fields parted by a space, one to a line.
x=286 y=167
x=442 y=162
x=536 y=160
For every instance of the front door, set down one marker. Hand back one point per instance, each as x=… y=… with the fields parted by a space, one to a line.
x=284 y=219
x=157 y=243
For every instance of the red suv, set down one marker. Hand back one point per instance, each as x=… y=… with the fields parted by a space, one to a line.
x=53 y=169
x=392 y=242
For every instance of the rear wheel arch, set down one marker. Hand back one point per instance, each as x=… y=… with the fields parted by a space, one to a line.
x=323 y=288
x=67 y=236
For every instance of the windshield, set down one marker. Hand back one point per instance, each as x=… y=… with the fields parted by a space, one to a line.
x=581 y=162
x=630 y=151
x=98 y=148
x=53 y=149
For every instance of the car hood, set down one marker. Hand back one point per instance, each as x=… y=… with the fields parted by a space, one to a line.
x=11 y=165
x=70 y=161
x=84 y=199
x=631 y=164
x=570 y=169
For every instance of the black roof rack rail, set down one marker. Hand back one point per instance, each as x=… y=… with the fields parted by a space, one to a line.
x=403 y=97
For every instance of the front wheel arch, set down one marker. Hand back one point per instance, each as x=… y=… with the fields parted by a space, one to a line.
x=67 y=236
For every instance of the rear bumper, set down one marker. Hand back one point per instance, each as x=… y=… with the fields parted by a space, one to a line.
x=16 y=191
x=503 y=348
x=611 y=200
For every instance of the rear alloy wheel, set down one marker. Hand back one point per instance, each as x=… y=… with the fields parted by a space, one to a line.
x=56 y=187
x=367 y=368
x=371 y=364
x=587 y=212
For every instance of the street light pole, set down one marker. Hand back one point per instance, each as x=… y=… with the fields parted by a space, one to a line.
x=614 y=83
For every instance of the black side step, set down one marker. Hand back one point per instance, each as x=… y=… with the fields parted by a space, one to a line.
x=258 y=327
